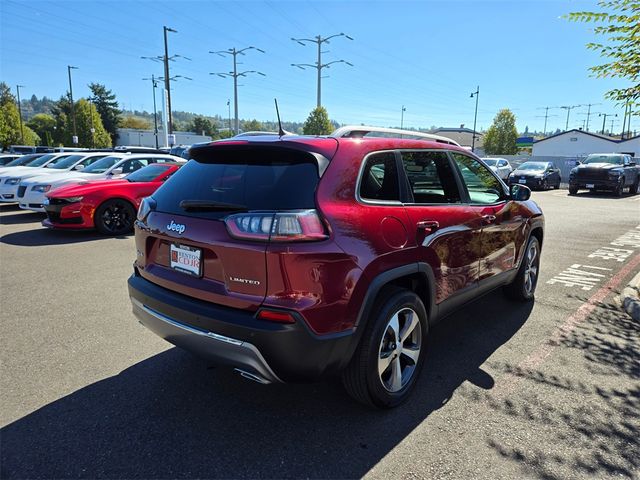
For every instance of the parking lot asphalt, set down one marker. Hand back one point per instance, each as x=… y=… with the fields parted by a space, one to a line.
x=549 y=389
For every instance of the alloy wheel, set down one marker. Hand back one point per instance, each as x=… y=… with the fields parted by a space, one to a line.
x=116 y=218
x=531 y=269
x=399 y=349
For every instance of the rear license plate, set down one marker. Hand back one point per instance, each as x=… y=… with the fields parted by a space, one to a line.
x=590 y=185
x=186 y=259
x=522 y=180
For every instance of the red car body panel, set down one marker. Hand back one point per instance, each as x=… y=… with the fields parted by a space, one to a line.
x=95 y=193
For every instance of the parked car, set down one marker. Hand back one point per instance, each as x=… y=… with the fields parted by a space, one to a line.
x=536 y=175
x=21 y=149
x=31 y=192
x=11 y=177
x=6 y=158
x=606 y=171
x=295 y=258
x=499 y=165
x=108 y=205
x=20 y=161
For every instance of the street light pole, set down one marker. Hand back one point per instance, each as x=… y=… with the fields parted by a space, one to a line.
x=229 y=108
x=20 y=113
x=155 y=114
x=93 y=130
x=319 y=65
x=475 y=117
x=402 y=117
x=235 y=74
x=568 y=108
x=167 y=78
x=73 y=110
x=604 y=120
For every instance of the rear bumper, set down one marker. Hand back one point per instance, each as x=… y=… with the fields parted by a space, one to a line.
x=270 y=351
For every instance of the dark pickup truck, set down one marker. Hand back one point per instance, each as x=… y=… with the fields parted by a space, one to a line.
x=606 y=171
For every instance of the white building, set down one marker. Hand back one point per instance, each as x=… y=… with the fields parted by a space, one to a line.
x=146 y=138
x=579 y=144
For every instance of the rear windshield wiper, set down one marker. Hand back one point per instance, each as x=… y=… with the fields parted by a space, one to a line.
x=209 y=205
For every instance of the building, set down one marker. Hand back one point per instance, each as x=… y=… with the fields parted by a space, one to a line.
x=146 y=138
x=579 y=144
x=464 y=136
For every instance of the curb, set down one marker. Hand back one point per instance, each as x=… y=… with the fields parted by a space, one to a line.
x=630 y=298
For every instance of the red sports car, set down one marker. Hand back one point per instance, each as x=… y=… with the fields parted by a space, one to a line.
x=110 y=206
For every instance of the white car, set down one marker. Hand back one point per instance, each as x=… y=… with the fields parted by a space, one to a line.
x=10 y=177
x=499 y=165
x=32 y=191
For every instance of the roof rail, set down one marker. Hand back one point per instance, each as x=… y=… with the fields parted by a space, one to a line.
x=360 y=131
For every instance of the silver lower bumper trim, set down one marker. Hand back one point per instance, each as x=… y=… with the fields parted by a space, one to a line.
x=220 y=349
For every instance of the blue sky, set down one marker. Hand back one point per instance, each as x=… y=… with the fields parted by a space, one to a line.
x=426 y=55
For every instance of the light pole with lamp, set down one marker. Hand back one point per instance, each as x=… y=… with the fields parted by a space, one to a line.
x=73 y=110
x=475 y=117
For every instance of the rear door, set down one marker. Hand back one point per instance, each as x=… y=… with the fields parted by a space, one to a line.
x=448 y=231
x=233 y=271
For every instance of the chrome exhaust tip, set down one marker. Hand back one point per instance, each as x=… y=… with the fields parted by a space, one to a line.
x=252 y=376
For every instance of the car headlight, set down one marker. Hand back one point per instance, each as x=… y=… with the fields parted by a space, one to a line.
x=573 y=171
x=71 y=199
x=12 y=181
x=615 y=172
x=41 y=188
x=540 y=176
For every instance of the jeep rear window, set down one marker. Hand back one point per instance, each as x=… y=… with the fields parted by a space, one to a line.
x=256 y=179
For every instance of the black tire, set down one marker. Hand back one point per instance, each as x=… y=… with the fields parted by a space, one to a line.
x=545 y=185
x=619 y=190
x=361 y=378
x=115 y=217
x=520 y=289
x=557 y=185
x=633 y=189
x=573 y=190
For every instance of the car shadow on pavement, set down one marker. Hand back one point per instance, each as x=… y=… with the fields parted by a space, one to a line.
x=599 y=436
x=24 y=216
x=44 y=236
x=170 y=416
x=604 y=194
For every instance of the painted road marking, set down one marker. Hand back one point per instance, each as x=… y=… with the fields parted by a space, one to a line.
x=509 y=381
x=612 y=253
x=576 y=276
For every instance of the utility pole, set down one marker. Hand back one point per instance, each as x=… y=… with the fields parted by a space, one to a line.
x=73 y=110
x=165 y=59
x=589 y=105
x=319 y=40
x=18 y=87
x=627 y=114
x=568 y=109
x=155 y=115
x=402 y=116
x=93 y=130
x=235 y=74
x=546 y=116
x=605 y=115
x=475 y=117
x=229 y=109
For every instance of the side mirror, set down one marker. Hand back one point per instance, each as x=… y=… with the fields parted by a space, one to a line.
x=519 y=193
x=79 y=167
x=116 y=171
x=632 y=163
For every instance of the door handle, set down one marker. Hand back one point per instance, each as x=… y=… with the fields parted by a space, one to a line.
x=488 y=219
x=429 y=226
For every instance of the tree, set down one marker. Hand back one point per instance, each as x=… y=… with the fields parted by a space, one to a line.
x=107 y=107
x=87 y=117
x=317 y=123
x=136 y=123
x=621 y=47
x=202 y=124
x=44 y=126
x=252 y=126
x=501 y=137
x=10 y=131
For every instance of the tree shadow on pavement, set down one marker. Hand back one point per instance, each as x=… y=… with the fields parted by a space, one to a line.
x=168 y=416
x=44 y=236
x=593 y=423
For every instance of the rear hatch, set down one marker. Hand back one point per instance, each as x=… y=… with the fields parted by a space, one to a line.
x=209 y=227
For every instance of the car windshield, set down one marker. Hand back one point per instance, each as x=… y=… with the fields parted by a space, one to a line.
x=147 y=174
x=102 y=165
x=613 y=159
x=532 y=166
x=38 y=162
x=490 y=161
x=21 y=160
x=66 y=162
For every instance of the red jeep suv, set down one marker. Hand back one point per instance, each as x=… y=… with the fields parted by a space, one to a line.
x=293 y=258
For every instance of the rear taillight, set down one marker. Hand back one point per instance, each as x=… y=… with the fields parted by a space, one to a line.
x=147 y=205
x=295 y=226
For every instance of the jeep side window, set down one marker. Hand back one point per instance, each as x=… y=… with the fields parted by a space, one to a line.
x=431 y=177
x=380 y=178
x=483 y=187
